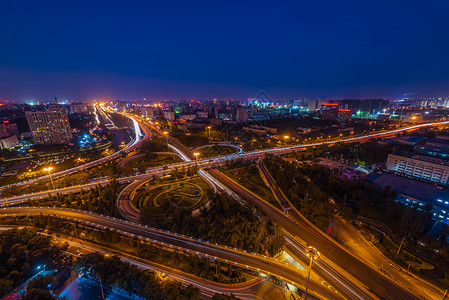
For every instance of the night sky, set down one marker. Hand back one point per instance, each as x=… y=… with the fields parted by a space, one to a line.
x=82 y=50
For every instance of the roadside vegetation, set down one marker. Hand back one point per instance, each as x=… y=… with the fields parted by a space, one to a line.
x=247 y=174
x=190 y=263
x=183 y=193
x=22 y=255
x=216 y=150
x=319 y=194
x=191 y=140
x=362 y=154
x=100 y=199
x=227 y=222
x=121 y=275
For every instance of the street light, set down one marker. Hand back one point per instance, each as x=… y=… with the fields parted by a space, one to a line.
x=313 y=254
x=209 y=127
x=49 y=174
x=166 y=137
x=286 y=138
x=196 y=160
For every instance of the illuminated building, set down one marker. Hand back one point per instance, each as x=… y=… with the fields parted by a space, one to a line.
x=332 y=111
x=50 y=126
x=169 y=115
x=418 y=168
x=8 y=129
x=8 y=142
x=3 y=131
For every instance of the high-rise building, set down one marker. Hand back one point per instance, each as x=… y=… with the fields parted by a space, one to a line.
x=8 y=129
x=50 y=126
x=11 y=128
x=148 y=111
x=3 y=131
x=242 y=115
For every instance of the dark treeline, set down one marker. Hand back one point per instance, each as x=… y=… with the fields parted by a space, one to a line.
x=192 y=140
x=21 y=252
x=124 y=276
x=319 y=193
x=98 y=199
x=204 y=267
x=156 y=144
x=227 y=222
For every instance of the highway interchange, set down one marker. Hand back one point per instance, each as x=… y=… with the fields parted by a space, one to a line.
x=298 y=230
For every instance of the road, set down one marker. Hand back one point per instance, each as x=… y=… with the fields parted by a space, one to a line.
x=179 y=242
x=369 y=255
x=246 y=290
x=300 y=227
x=335 y=279
x=184 y=150
x=140 y=137
x=210 y=162
x=373 y=279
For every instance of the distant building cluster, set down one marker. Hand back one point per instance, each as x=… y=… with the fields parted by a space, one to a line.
x=333 y=111
x=189 y=114
x=79 y=108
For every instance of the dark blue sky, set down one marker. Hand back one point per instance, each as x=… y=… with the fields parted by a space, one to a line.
x=212 y=49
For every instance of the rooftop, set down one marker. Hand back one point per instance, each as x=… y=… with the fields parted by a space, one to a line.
x=412 y=188
x=409 y=140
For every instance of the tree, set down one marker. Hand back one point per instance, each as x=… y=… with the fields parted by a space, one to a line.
x=141 y=168
x=224 y=297
x=40 y=282
x=5 y=286
x=38 y=294
x=412 y=222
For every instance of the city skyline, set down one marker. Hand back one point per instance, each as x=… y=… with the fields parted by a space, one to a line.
x=204 y=50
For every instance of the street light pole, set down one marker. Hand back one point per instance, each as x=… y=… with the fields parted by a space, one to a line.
x=400 y=246
x=166 y=137
x=196 y=160
x=313 y=254
x=49 y=174
x=208 y=127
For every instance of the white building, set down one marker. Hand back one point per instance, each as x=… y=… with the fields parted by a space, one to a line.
x=418 y=168
x=8 y=142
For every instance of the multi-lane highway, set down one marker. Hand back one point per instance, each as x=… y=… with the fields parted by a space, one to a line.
x=177 y=242
x=141 y=134
x=208 y=289
x=210 y=162
x=298 y=227
x=295 y=215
